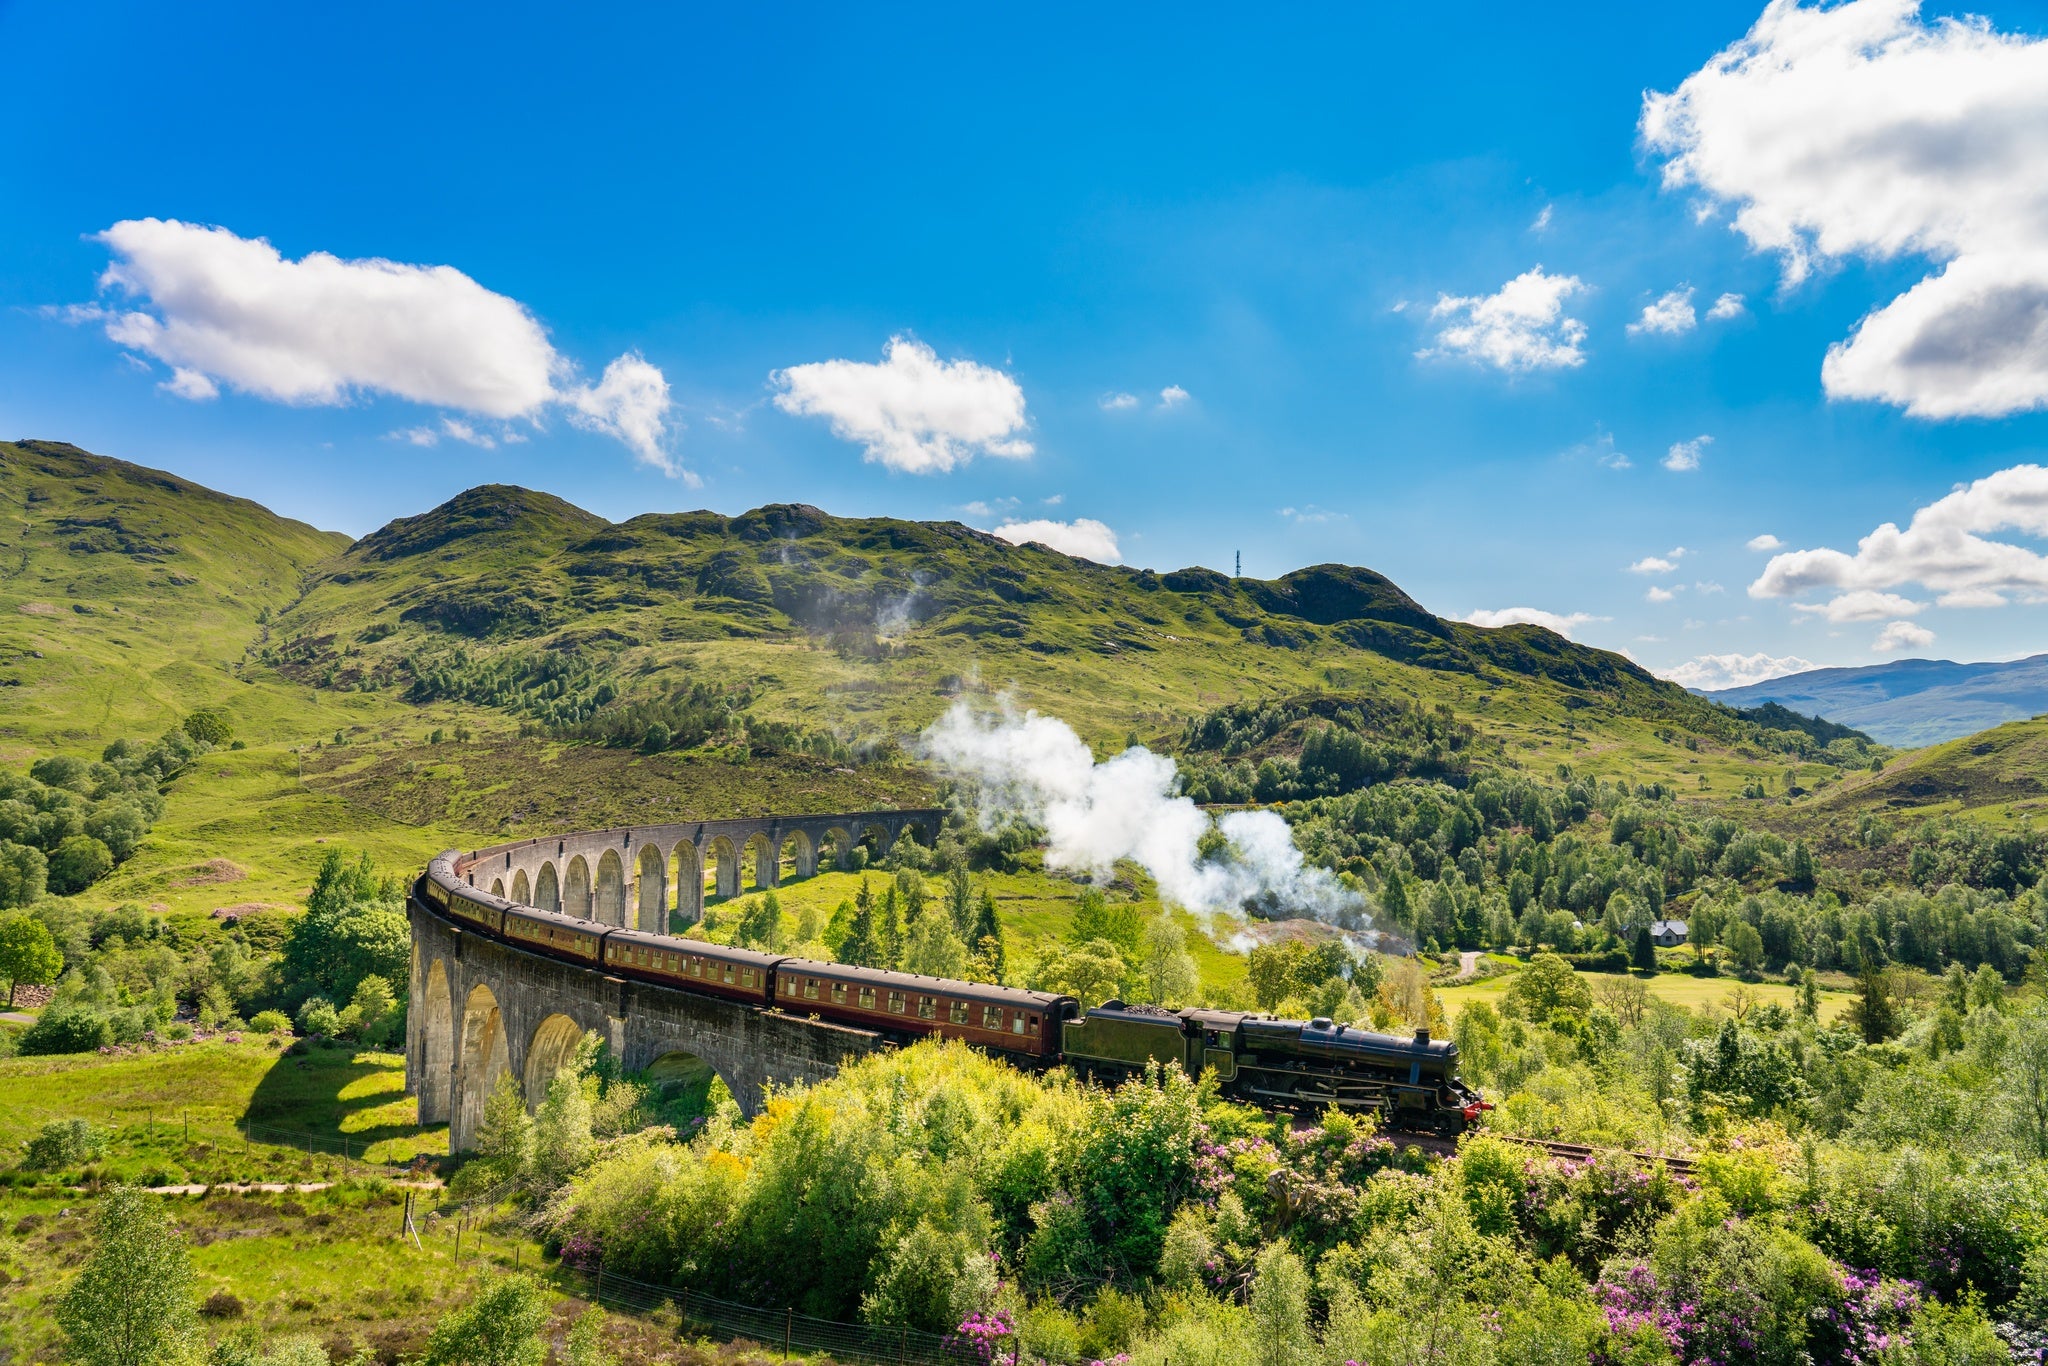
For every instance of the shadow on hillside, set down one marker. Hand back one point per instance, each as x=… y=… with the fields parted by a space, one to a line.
x=304 y=1094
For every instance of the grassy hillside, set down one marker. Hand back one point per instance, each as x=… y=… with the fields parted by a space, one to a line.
x=867 y=628
x=1999 y=774
x=129 y=596
x=504 y=619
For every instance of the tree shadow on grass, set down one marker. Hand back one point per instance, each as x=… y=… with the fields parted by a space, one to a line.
x=303 y=1094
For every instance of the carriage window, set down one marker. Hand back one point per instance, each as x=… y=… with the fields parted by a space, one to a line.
x=696 y=967
x=867 y=998
x=746 y=977
x=1034 y=1024
x=810 y=988
x=1017 y=1023
x=927 y=1007
x=991 y=1017
x=789 y=986
x=728 y=972
x=896 y=1003
x=959 y=1012
x=839 y=993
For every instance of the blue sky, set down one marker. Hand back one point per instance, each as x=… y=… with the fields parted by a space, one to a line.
x=1289 y=240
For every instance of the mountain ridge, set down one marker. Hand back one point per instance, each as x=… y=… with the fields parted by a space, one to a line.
x=1909 y=702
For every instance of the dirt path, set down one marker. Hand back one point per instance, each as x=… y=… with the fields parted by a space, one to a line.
x=1468 y=966
x=273 y=1187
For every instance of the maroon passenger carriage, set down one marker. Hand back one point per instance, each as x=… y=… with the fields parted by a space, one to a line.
x=897 y=1005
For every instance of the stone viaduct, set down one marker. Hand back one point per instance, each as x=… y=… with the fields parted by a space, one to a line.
x=482 y=1008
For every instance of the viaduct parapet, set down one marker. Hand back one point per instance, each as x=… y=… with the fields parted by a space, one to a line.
x=482 y=1008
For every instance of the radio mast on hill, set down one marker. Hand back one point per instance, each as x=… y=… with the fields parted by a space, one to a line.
x=1238 y=572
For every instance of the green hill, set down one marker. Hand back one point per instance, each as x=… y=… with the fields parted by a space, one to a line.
x=788 y=653
x=1999 y=774
x=129 y=596
x=868 y=627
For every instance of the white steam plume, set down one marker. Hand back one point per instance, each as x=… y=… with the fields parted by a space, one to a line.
x=1094 y=814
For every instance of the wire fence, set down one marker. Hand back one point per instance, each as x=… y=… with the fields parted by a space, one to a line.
x=350 y=1151
x=784 y=1330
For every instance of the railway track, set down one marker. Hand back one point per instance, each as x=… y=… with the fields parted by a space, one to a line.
x=1576 y=1152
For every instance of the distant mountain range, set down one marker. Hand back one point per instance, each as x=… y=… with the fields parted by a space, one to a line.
x=1909 y=702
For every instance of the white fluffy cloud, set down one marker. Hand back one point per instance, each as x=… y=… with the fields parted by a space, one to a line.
x=1522 y=327
x=1865 y=604
x=1172 y=396
x=1685 y=455
x=1947 y=548
x=1764 y=542
x=1117 y=403
x=1671 y=315
x=1709 y=672
x=1726 y=307
x=1564 y=623
x=1901 y=635
x=1659 y=564
x=221 y=309
x=1862 y=130
x=1083 y=538
x=912 y=412
x=1655 y=594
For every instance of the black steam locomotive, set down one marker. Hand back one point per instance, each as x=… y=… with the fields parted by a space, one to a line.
x=1271 y=1063
x=1410 y=1083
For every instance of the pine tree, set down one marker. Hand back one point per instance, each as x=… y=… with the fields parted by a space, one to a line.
x=889 y=933
x=862 y=946
x=960 y=902
x=1872 y=1012
x=1394 y=900
x=1643 y=953
x=988 y=938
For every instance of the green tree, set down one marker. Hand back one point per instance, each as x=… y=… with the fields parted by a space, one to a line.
x=1091 y=972
x=889 y=929
x=1873 y=1013
x=209 y=727
x=1271 y=971
x=960 y=902
x=991 y=954
x=77 y=863
x=500 y=1326
x=1394 y=900
x=862 y=947
x=1279 y=1304
x=1643 y=952
x=27 y=954
x=1745 y=944
x=353 y=926
x=931 y=948
x=1165 y=964
x=505 y=1135
x=131 y=1305
x=1548 y=984
x=1115 y=923
x=586 y=1340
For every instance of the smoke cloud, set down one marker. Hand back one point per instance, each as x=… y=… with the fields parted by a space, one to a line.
x=1036 y=768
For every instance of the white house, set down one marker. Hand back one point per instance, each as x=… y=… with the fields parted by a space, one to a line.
x=1667 y=934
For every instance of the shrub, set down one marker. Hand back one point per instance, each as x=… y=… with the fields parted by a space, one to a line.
x=270 y=1022
x=64 y=1143
x=68 y=1029
x=221 y=1304
x=318 y=1016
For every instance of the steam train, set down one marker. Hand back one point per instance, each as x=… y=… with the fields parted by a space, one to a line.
x=1271 y=1063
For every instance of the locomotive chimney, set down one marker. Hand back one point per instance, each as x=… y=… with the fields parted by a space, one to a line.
x=1422 y=1036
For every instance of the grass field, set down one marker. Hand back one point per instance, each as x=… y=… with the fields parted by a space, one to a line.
x=1681 y=989
x=177 y=1113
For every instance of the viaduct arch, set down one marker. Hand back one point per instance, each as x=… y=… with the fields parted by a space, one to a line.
x=484 y=1009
